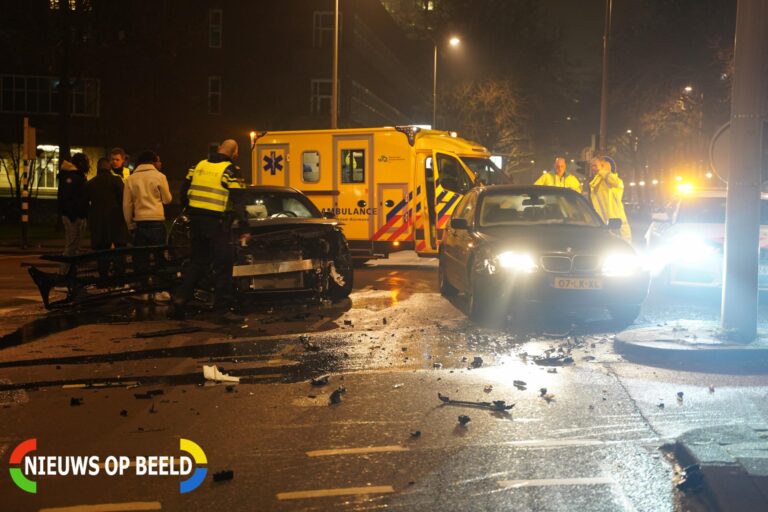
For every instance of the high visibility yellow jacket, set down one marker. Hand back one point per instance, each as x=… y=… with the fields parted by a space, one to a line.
x=606 y=194
x=553 y=180
x=209 y=183
x=122 y=173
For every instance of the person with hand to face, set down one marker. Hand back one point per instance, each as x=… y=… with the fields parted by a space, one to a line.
x=606 y=191
x=559 y=177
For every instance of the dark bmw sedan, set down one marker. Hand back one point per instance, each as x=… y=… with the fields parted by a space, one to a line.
x=510 y=246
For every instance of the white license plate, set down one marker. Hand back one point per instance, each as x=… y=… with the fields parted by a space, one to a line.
x=762 y=270
x=572 y=283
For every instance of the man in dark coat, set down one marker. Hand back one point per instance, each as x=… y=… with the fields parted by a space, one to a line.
x=105 y=215
x=73 y=203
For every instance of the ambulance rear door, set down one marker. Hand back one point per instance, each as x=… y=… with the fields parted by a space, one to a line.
x=272 y=165
x=451 y=180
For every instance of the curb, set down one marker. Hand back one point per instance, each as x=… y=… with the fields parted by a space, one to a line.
x=724 y=485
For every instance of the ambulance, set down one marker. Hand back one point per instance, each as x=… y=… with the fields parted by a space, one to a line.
x=392 y=188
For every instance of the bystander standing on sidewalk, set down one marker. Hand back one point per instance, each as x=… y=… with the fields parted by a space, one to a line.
x=105 y=215
x=73 y=203
x=146 y=191
x=117 y=159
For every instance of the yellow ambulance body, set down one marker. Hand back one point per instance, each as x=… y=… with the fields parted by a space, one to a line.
x=392 y=188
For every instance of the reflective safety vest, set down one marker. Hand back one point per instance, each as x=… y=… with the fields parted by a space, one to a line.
x=553 y=180
x=206 y=191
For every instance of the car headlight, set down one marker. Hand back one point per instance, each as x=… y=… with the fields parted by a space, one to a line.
x=620 y=264
x=516 y=261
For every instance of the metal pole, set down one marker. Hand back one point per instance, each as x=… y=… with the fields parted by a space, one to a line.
x=335 y=79
x=604 y=91
x=434 y=91
x=742 y=218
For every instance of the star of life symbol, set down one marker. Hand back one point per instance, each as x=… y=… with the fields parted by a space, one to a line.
x=273 y=163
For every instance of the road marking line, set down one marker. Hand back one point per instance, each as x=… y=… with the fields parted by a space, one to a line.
x=357 y=451
x=516 y=484
x=344 y=491
x=109 y=507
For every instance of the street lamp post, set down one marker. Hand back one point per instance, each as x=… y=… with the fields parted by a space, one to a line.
x=335 y=71
x=454 y=41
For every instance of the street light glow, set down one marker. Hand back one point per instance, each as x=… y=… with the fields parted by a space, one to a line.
x=678 y=178
x=654 y=182
x=629 y=132
x=455 y=41
x=642 y=183
x=688 y=88
x=708 y=175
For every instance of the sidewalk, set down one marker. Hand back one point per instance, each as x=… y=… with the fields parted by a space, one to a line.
x=730 y=470
x=693 y=345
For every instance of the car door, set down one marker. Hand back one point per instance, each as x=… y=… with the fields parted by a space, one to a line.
x=458 y=241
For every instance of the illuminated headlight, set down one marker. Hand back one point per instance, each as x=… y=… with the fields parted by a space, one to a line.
x=621 y=264
x=516 y=262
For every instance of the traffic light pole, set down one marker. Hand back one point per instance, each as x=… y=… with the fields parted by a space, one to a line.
x=742 y=219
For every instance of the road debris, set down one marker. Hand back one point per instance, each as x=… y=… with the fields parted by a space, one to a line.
x=416 y=434
x=553 y=360
x=488 y=388
x=464 y=419
x=348 y=322
x=73 y=402
x=322 y=380
x=548 y=397
x=680 y=395
x=477 y=362
x=496 y=405
x=552 y=370
x=123 y=413
x=167 y=332
x=692 y=479
x=335 y=397
x=221 y=476
x=398 y=385
x=660 y=405
x=542 y=391
x=230 y=388
x=213 y=373
x=437 y=366
x=520 y=384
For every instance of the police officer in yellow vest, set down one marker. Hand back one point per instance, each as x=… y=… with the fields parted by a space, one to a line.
x=559 y=178
x=606 y=191
x=206 y=195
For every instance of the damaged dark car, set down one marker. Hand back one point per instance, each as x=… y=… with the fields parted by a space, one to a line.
x=282 y=243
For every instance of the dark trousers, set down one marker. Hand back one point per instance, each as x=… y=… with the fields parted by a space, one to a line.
x=147 y=232
x=101 y=241
x=211 y=245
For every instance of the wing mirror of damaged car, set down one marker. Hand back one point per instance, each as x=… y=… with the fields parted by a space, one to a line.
x=614 y=224
x=327 y=214
x=660 y=217
x=457 y=223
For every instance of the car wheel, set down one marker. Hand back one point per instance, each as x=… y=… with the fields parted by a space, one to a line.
x=446 y=288
x=624 y=315
x=342 y=281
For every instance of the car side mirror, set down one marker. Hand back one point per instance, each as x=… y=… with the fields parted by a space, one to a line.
x=614 y=224
x=660 y=217
x=457 y=223
x=327 y=214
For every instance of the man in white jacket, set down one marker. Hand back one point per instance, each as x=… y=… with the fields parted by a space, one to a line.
x=146 y=191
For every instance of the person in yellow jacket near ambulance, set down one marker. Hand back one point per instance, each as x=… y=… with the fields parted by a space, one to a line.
x=606 y=190
x=205 y=193
x=559 y=178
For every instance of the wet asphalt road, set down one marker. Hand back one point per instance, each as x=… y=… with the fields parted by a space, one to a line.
x=590 y=441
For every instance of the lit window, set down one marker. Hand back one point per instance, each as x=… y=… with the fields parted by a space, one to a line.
x=353 y=166
x=311 y=166
x=214 y=95
x=322 y=29
x=320 y=103
x=428 y=5
x=215 y=28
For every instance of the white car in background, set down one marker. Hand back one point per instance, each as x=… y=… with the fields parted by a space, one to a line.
x=684 y=244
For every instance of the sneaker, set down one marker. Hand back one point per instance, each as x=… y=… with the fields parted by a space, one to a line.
x=162 y=297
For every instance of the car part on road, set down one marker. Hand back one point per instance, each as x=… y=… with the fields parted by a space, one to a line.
x=335 y=397
x=464 y=419
x=320 y=381
x=496 y=405
x=213 y=373
x=553 y=360
x=477 y=362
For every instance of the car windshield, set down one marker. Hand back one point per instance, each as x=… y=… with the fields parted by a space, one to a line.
x=268 y=205
x=710 y=210
x=530 y=209
x=486 y=171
